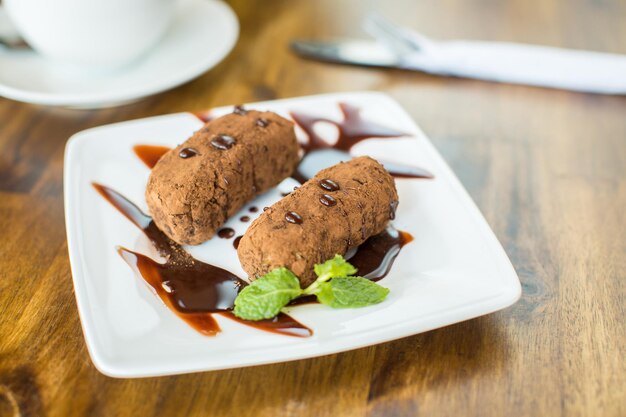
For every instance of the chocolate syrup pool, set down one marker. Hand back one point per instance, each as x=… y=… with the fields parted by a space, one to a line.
x=374 y=257
x=150 y=154
x=190 y=288
x=195 y=290
x=351 y=130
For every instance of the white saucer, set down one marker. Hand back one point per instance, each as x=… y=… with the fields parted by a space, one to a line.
x=203 y=33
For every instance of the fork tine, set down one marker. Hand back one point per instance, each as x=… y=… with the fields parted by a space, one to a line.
x=396 y=37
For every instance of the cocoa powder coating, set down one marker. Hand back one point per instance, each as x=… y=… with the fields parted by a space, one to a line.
x=236 y=159
x=362 y=207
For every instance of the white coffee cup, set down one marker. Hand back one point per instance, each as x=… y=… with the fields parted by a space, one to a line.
x=95 y=33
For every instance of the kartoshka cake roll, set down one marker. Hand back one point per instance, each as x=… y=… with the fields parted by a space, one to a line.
x=339 y=208
x=197 y=186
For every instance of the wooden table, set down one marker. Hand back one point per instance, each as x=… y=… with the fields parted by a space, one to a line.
x=547 y=169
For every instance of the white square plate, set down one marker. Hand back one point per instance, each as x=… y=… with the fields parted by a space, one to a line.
x=454 y=270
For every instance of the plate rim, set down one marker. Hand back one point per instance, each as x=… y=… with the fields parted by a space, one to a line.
x=505 y=298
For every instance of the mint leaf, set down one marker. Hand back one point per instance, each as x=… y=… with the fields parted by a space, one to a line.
x=265 y=297
x=350 y=292
x=335 y=287
x=332 y=268
x=335 y=267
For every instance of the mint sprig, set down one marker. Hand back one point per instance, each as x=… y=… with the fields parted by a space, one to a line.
x=264 y=298
x=332 y=268
x=335 y=287
x=351 y=292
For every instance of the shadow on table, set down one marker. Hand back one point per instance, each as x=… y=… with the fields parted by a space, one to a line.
x=376 y=377
x=438 y=360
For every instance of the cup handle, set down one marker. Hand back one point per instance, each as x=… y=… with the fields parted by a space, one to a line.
x=9 y=36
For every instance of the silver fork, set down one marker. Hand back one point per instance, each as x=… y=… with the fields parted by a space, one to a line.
x=397 y=39
x=538 y=65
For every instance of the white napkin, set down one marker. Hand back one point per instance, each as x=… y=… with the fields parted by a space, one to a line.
x=523 y=64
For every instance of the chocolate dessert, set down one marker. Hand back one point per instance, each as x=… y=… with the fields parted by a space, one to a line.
x=194 y=188
x=338 y=209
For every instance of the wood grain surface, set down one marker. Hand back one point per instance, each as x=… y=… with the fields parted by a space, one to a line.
x=547 y=168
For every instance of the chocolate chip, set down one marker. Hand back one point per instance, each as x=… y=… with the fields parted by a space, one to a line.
x=240 y=110
x=329 y=185
x=223 y=142
x=327 y=200
x=187 y=153
x=293 y=217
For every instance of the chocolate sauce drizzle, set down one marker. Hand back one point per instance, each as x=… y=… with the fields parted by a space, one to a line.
x=190 y=288
x=150 y=154
x=374 y=257
x=352 y=130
